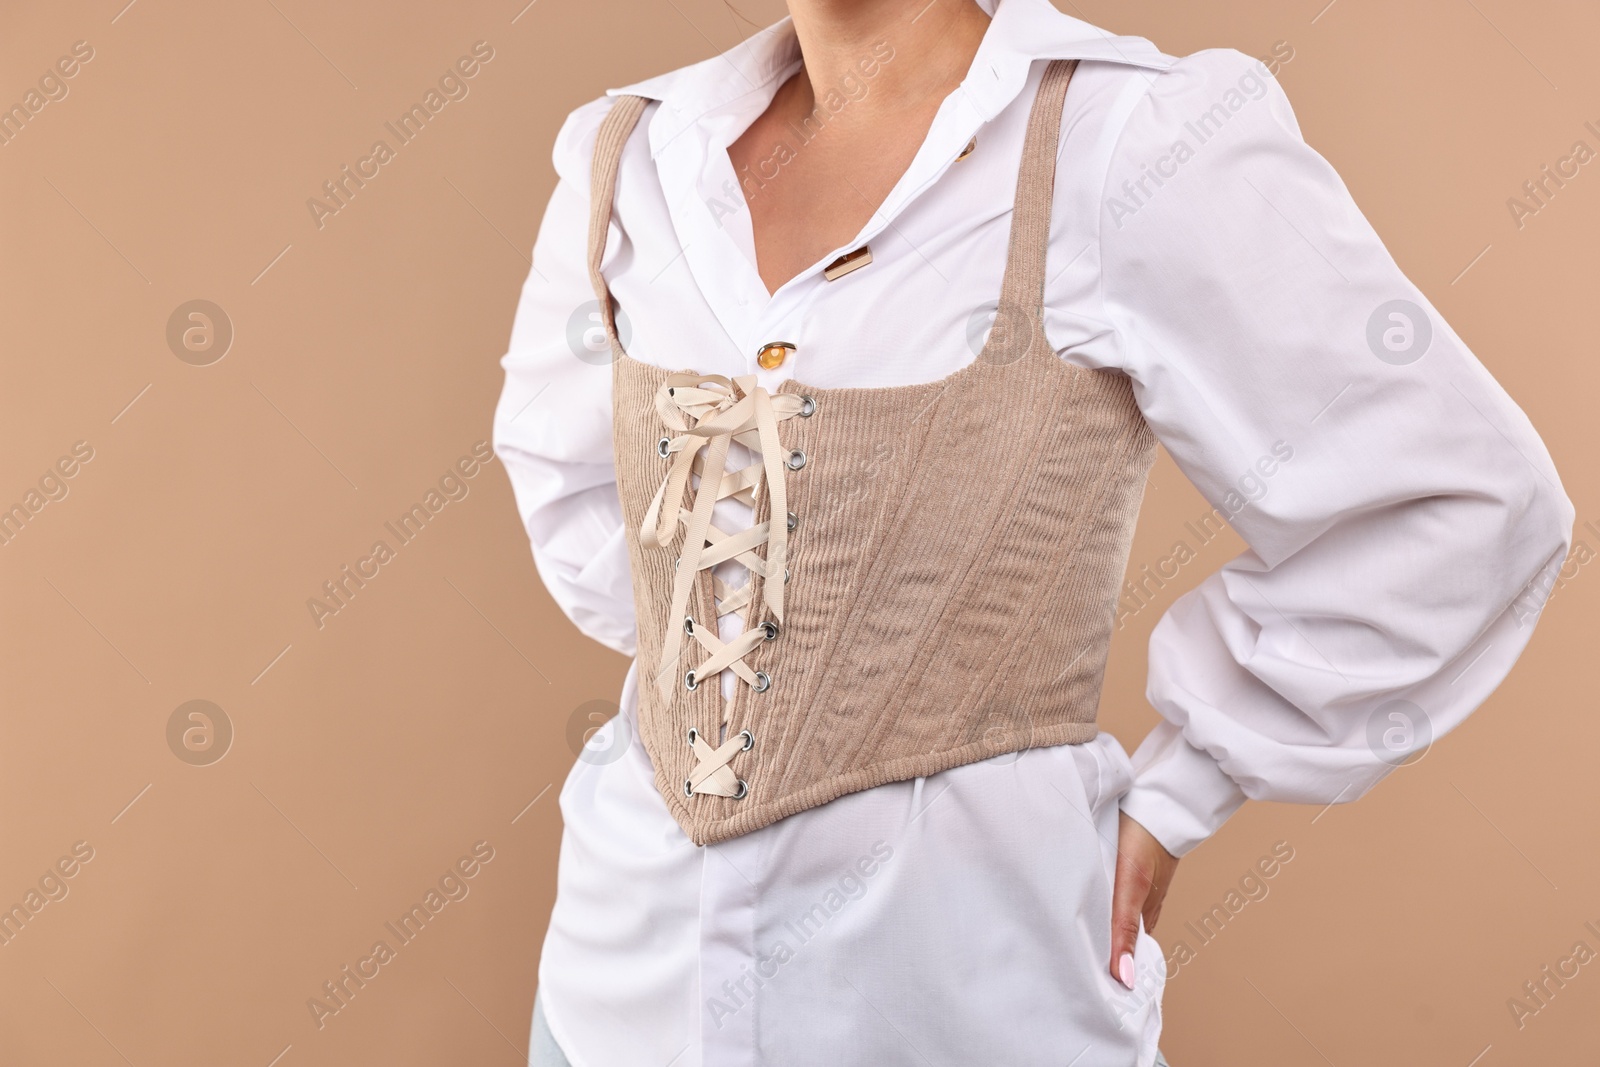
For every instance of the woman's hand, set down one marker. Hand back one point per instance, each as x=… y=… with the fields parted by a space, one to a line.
x=1144 y=871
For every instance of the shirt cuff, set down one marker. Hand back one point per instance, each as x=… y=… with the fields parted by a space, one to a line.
x=1179 y=792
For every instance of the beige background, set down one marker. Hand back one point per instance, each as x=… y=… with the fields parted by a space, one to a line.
x=435 y=710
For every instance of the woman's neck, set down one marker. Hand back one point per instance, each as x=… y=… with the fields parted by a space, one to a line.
x=933 y=44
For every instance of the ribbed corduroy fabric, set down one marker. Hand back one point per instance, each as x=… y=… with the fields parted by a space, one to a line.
x=955 y=565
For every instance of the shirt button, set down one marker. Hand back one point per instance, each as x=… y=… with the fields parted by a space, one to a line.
x=772 y=355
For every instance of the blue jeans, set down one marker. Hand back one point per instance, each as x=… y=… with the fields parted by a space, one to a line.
x=544 y=1052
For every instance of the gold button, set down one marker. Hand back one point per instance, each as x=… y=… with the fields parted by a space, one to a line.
x=967 y=151
x=848 y=262
x=771 y=356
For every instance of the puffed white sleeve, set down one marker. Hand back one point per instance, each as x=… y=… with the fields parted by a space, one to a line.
x=1402 y=515
x=552 y=425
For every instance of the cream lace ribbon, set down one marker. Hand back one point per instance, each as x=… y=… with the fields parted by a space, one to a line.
x=723 y=410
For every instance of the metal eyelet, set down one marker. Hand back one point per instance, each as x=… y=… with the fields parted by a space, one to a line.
x=689 y=681
x=763 y=682
x=688 y=789
x=771 y=630
x=663 y=447
x=694 y=735
x=688 y=625
x=749 y=740
x=786 y=576
x=797 y=459
x=794 y=520
x=743 y=789
x=808 y=405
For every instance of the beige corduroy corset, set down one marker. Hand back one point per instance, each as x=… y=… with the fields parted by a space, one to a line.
x=940 y=585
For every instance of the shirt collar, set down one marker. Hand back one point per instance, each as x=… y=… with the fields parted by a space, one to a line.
x=1020 y=31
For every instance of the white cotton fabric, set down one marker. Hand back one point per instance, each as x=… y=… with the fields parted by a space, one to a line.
x=1395 y=554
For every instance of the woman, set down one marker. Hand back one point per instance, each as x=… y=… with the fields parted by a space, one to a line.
x=905 y=293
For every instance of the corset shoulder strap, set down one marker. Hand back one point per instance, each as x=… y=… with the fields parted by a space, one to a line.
x=614 y=130
x=1022 y=289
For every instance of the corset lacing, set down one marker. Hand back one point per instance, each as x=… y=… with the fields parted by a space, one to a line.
x=724 y=410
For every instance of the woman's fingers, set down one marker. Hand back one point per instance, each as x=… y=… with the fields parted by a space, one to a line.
x=1144 y=871
x=1127 y=902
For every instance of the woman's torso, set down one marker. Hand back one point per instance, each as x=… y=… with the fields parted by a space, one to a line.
x=933 y=913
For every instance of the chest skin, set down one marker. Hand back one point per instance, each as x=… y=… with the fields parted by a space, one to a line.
x=812 y=178
x=836 y=138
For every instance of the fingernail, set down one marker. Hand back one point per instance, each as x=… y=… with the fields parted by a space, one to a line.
x=1125 y=969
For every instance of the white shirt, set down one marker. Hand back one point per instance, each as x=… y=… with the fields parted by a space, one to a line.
x=1398 y=507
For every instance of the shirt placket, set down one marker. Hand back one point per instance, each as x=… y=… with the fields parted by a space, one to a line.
x=729 y=972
